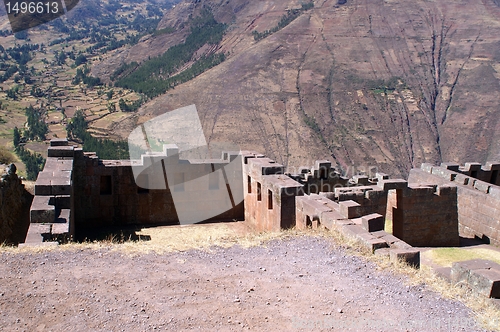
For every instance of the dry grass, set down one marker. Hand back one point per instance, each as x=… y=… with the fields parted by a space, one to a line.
x=29 y=186
x=172 y=239
x=447 y=256
x=6 y=157
x=388 y=226
x=203 y=237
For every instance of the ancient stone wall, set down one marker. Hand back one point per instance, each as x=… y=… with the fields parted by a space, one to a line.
x=421 y=215
x=370 y=195
x=322 y=177
x=51 y=212
x=78 y=190
x=13 y=197
x=478 y=202
x=486 y=173
x=269 y=194
x=424 y=216
x=349 y=219
x=110 y=195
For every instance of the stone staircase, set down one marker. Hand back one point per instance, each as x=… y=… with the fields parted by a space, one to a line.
x=50 y=213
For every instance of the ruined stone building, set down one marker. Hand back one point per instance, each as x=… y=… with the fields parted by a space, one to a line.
x=435 y=207
x=77 y=190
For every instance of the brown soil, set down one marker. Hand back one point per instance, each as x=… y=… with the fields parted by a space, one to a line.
x=303 y=283
x=331 y=64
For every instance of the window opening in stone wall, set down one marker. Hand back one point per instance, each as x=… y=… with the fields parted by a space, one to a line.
x=105 y=186
x=259 y=193
x=322 y=173
x=249 y=184
x=269 y=199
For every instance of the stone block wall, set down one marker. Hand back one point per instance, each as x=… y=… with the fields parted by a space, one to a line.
x=482 y=276
x=424 y=215
x=478 y=202
x=52 y=209
x=311 y=210
x=421 y=215
x=78 y=190
x=487 y=173
x=269 y=194
x=110 y=195
x=349 y=219
x=13 y=201
x=371 y=198
x=322 y=177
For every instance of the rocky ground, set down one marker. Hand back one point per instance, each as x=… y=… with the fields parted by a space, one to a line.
x=303 y=284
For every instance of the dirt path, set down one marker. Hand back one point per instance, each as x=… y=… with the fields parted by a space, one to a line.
x=298 y=284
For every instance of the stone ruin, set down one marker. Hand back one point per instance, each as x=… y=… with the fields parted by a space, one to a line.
x=14 y=200
x=478 y=195
x=436 y=206
x=77 y=190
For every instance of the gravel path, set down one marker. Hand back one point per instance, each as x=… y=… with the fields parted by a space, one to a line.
x=299 y=284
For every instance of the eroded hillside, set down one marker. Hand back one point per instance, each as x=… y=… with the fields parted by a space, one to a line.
x=391 y=83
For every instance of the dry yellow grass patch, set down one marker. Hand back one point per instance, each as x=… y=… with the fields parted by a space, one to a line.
x=29 y=186
x=182 y=238
x=447 y=256
x=174 y=238
x=6 y=157
x=388 y=226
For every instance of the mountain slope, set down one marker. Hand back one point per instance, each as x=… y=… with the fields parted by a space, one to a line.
x=386 y=83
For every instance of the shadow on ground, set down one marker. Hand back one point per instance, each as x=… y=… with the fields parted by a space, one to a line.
x=114 y=234
x=475 y=241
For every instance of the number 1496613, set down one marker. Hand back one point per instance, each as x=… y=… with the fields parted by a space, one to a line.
x=33 y=7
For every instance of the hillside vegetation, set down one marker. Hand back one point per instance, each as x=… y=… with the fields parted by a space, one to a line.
x=45 y=79
x=157 y=75
x=363 y=83
x=391 y=84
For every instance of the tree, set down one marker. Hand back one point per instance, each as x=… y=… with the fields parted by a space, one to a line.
x=34 y=162
x=27 y=79
x=17 y=137
x=123 y=105
x=37 y=128
x=36 y=92
x=21 y=35
x=80 y=59
x=12 y=93
x=78 y=126
x=61 y=58
x=104 y=148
